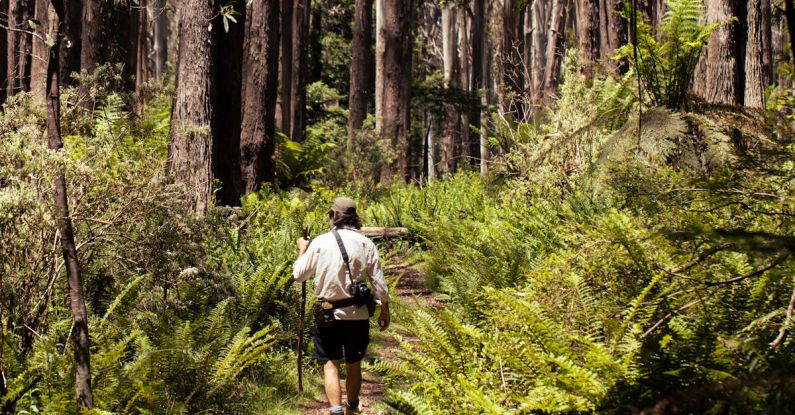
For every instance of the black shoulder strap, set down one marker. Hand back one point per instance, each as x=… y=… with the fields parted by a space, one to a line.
x=344 y=254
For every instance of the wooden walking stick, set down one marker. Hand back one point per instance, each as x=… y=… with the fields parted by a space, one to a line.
x=300 y=351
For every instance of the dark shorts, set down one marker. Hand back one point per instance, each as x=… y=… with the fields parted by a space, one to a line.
x=345 y=338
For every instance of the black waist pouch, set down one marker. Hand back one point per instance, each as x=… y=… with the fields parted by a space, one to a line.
x=324 y=318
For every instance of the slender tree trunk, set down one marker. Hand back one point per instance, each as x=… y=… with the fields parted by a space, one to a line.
x=314 y=49
x=301 y=15
x=540 y=22
x=284 y=101
x=260 y=88
x=554 y=48
x=228 y=104
x=464 y=49
x=379 y=63
x=191 y=145
x=41 y=51
x=77 y=303
x=789 y=12
x=19 y=45
x=479 y=45
x=757 y=76
x=160 y=35
x=141 y=46
x=361 y=62
x=451 y=125
x=513 y=73
x=397 y=83
x=587 y=30
x=722 y=71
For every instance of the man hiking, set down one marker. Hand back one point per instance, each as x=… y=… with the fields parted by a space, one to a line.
x=342 y=261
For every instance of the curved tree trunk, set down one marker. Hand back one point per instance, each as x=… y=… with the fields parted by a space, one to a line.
x=191 y=145
x=84 y=394
x=260 y=83
x=361 y=62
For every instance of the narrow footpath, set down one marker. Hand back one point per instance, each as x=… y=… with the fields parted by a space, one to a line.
x=411 y=284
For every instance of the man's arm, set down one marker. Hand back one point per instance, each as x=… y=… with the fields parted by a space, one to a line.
x=304 y=266
x=380 y=288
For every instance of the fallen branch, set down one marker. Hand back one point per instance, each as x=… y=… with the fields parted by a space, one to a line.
x=379 y=232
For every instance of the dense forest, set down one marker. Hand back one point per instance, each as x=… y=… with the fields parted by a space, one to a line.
x=597 y=198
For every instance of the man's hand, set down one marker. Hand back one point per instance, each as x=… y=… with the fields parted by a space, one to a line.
x=383 y=318
x=302 y=244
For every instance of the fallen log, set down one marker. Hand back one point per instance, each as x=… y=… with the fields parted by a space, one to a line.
x=379 y=232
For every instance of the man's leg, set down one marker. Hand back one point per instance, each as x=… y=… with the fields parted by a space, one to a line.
x=353 y=381
x=331 y=380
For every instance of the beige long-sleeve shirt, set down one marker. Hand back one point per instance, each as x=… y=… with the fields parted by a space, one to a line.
x=323 y=259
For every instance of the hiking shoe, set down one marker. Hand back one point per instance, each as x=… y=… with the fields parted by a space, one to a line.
x=352 y=408
x=336 y=410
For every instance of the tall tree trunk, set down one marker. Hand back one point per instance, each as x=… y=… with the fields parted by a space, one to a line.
x=20 y=45
x=540 y=22
x=587 y=30
x=554 y=55
x=513 y=73
x=91 y=40
x=3 y=53
x=479 y=68
x=379 y=63
x=789 y=12
x=77 y=302
x=361 y=62
x=160 y=38
x=314 y=49
x=228 y=104
x=397 y=83
x=464 y=49
x=616 y=34
x=45 y=15
x=284 y=101
x=301 y=15
x=141 y=45
x=757 y=75
x=722 y=71
x=71 y=29
x=260 y=87
x=451 y=126
x=192 y=128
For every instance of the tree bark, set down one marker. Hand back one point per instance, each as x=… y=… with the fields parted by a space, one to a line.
x=722 y=71
x=616 y=34
x=587 y=30
x=789 y=12
x=228 y=105
x=314 y=48
x=3 y=54
x=45 y=15
x=554 y=55
x=77 y=303
x=361 y=62
x=71 y=43
x=260 y=88
x=141 y=46
x=757 y=75
x=464 y=149
x=284 y=101
x=192 y=128
x=19 y=45
x=91 y=40
x=513 y=72
x=479 y=45
x=301 y=15
x=452 y=124
x=379 y=63
x=160 y=38
x=540 y=23
x=397 y=83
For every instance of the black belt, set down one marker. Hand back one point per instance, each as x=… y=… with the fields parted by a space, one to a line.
x=341 y=303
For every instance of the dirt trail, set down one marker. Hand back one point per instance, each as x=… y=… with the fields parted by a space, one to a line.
x=410 y=284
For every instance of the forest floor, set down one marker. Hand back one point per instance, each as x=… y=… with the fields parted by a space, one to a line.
x=410 y=286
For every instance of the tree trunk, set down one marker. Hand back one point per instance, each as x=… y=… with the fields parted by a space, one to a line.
x=141 y=46
x=90 y=46
x=191 y=144
x=379 y=63
x=722 y=71
x=71 y=43
x=314 y=49
x=3 y=55
x=757 y=76
x=616 y=34
x=554 y=55
x=301 y=15
x=540 y=23
x=77 y=303
x=513 y=73
x=397 y=83
x=260 y=87
x=464 y=150
x=285 y=68
x=451 y=127
x=479 y=45
x=361 y=62
x=789 y=12
x=160 y=35
x=45 y=15
x=20 y=45
x=228 y=112
x=587 y=30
